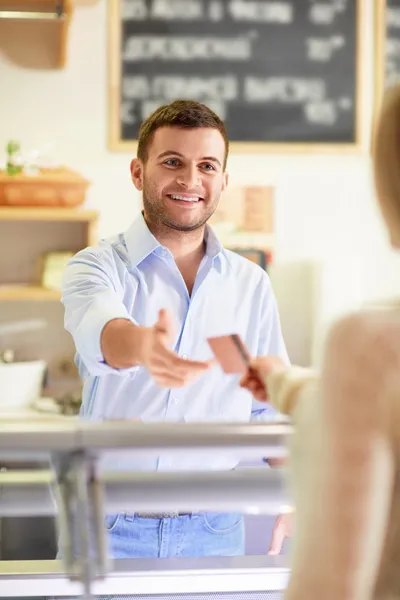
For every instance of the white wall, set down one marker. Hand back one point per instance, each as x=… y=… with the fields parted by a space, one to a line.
x=325 y=203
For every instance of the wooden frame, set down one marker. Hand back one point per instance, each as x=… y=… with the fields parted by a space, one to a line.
x=379 y=57
x=115 y=144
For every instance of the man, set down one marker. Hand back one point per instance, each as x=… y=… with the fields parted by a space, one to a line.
x=140 y=307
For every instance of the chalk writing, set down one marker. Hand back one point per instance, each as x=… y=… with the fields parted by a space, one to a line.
x=274 y=70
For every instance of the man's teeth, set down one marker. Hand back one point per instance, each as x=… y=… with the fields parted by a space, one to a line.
x=185 y=198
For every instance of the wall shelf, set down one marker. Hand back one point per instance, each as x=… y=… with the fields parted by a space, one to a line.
x=28 y=293
x=33 y=232
x=56 y=12
x=27 y=235
x=47 y=214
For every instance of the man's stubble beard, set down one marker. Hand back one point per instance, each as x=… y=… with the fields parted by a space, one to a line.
x=158 y=216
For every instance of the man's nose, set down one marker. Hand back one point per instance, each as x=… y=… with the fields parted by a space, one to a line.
x=189 y=178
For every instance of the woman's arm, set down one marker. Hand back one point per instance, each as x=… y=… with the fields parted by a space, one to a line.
x=342 y=466
x=269 y=379
x=341 y=459
x=286 y=388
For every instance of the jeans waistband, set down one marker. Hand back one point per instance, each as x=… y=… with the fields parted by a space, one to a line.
x=164 y=515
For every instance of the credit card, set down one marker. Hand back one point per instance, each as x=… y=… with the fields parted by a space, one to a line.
x=230 y=352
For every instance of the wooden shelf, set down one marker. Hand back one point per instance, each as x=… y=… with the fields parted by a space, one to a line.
x=44 y=231
x=47 y=214
x=27 y=293
x=42 y=10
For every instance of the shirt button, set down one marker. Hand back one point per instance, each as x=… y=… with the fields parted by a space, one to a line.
x=184 y=356
x=176 y=400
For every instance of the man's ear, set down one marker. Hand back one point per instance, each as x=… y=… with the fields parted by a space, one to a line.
x=137 y=173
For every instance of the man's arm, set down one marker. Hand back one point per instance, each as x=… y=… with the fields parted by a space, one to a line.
x=107 y=338
x=93 y=303
x=122 y=343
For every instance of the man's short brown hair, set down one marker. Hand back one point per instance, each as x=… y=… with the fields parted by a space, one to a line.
x=180 y=113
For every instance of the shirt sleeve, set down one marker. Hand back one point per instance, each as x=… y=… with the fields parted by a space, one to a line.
x=92 y=296
x=271 y=343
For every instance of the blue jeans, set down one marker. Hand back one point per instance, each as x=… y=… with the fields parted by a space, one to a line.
x=198 y=534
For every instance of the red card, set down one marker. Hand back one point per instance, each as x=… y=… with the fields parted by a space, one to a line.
x=230 y=352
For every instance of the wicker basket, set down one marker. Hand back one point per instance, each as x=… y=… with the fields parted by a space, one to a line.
x=51 y=187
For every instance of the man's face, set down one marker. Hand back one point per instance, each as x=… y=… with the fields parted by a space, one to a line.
x=182 y=178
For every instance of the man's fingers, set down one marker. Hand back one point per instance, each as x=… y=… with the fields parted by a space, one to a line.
x=171 y=360
x=164 y=326
x=163 y=322
x=169 y=370
x=191 y=365
x=278 y=538
x=166 y=380
x=160 y=372
x=172 y=380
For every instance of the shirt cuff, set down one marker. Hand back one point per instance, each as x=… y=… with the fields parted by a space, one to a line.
x=90 y=346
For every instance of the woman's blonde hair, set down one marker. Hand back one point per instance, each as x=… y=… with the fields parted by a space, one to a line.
x=386 y=161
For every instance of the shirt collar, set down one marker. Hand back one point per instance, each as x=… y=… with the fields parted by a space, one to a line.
x=213 y=245
x=140 y=242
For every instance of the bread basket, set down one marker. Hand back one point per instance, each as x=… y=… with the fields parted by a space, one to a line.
x=60 y=187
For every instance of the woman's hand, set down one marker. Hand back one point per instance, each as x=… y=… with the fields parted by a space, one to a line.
x=259 y=368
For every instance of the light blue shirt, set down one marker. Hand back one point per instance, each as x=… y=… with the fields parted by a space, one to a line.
x=132 y=276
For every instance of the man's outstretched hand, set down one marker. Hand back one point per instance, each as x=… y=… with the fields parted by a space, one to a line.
x=167 y=368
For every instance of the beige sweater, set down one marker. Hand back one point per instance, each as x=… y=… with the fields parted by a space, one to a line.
x=344 y=463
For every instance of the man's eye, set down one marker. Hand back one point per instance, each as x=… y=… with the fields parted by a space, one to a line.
x=172 y=162
x=208 y=167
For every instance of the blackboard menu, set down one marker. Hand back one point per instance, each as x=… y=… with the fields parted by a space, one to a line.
x=277 y=72
x=391 y=54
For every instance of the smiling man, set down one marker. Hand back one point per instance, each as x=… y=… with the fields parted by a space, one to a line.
x=140 y=307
